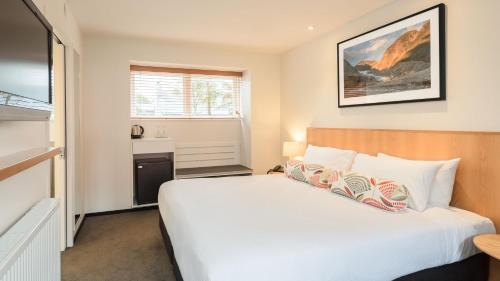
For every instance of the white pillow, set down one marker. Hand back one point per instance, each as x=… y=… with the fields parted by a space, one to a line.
x=417 y=177
x=442 y=189
x=329 y=157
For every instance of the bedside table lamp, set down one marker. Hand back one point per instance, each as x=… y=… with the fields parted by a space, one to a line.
x=293 y=149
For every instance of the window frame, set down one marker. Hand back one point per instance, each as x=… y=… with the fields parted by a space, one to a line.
x=187 y=90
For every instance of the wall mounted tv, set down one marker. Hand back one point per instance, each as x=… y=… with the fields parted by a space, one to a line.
x=25 y=62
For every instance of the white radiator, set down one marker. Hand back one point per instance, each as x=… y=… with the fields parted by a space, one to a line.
x=29 y=250
x=206 y=154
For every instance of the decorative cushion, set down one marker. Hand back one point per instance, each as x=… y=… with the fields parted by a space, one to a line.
x=296 y=170
x=313 y=174
x=323 y=178
x=381 y=193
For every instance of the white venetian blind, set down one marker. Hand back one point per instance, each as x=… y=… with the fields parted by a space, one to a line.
x=163 y=92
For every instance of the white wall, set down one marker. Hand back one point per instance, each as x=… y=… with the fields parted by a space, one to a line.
x=106 y=109
x=20 y=192
x=309 y=76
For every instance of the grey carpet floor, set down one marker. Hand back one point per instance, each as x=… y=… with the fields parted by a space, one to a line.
x=121 y=247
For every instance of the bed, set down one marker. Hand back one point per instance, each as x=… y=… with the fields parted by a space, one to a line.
x=275 y=228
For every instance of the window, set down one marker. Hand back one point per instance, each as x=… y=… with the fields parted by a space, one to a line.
x=162 y=92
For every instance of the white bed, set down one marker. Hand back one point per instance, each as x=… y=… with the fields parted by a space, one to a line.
x=274 y=228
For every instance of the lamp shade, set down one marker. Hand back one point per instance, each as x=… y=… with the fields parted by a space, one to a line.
x=293 y=149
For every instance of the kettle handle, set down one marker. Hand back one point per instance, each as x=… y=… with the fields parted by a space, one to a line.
x=142 y=129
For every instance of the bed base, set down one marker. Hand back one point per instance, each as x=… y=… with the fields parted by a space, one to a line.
x=475 y=268
x=170 y=251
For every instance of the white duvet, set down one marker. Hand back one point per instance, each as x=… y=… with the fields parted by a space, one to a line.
x=263 y=228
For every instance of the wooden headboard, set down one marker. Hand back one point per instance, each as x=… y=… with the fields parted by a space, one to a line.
x=477 y=183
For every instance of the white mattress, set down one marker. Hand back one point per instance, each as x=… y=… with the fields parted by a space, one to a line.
x=273 y=228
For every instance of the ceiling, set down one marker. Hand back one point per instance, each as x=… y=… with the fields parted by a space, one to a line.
x=269 y=26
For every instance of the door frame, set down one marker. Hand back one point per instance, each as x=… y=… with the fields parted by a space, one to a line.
x=73 y=102
x=71 y=179
x=63 y=155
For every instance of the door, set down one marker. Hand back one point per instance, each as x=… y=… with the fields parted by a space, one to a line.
x=75 y=190
x=58 y=130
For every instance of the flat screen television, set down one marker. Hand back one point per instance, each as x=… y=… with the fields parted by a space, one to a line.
x=25 y=62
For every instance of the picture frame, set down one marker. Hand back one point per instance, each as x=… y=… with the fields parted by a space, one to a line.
x=400 y=62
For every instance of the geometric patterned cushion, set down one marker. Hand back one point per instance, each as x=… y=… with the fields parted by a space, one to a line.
x=295 y=169
x=381 y=193
x=323 y=178
x=313 y=174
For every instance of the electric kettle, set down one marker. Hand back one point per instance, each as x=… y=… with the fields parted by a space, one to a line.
x=137 y=132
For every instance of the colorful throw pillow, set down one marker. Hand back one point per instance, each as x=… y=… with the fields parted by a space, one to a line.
x=296 y=170
x=381 y=193
x=323 y=178
x=313 y=174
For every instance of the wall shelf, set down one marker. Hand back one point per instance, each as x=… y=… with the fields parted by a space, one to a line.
x=17 y=162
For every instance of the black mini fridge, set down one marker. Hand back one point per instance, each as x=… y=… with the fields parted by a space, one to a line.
x=149 y=175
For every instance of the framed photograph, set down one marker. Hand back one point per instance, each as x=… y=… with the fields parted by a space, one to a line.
x=403 y=61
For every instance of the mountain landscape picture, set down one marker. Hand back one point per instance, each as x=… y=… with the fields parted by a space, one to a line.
x=395 y=62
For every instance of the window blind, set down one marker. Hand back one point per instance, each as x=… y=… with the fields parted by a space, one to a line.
x=162 y=92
